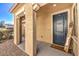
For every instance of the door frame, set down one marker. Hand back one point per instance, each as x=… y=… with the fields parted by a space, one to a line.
x=68 y=21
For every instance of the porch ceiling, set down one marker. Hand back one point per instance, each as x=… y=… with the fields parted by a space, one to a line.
x=55 y=6
x=42 y=4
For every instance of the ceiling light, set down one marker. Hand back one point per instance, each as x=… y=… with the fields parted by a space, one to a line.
x=54 y=5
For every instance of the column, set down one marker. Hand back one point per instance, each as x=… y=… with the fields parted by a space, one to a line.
x=30 y=32
x=15 y=30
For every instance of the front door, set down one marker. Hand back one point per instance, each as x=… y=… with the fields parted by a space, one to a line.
x=60 y=28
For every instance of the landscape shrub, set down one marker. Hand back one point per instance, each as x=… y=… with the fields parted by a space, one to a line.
x=1 y=34
x=5 y=34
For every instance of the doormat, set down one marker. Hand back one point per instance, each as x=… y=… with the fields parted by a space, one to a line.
x=57 y=47
x=60 y=48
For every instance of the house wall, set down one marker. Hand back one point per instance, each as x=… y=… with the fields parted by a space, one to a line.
x=76 y=35
x=17 y=10
x=44 y=20
x=30 y=39
x=78 y=26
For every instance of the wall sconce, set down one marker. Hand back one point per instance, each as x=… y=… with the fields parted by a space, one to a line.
x=36 y=7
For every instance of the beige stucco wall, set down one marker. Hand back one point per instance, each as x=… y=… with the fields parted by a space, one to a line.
x=75 y=37
x=30 y=39
x=17 y=10
x=78 y=28
x=44 y=20
x=30 y=35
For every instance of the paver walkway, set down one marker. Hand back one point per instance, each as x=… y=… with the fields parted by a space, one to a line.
x=8 y=48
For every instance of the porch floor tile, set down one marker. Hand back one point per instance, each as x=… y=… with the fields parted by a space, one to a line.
x=44 y=49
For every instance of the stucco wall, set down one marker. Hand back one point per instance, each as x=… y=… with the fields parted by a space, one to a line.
x=75 y=36
x=44 y=20
x=30 y=38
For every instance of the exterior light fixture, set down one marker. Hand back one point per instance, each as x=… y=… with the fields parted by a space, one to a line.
x=54 y=5
x=36 y=7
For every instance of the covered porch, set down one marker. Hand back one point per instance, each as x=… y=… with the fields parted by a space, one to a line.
x=38 y=29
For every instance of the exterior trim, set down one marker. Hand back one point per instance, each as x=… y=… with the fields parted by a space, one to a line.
x=20 y=11
x=12 y=8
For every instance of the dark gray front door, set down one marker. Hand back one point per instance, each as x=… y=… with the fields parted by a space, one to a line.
x=60 y=28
